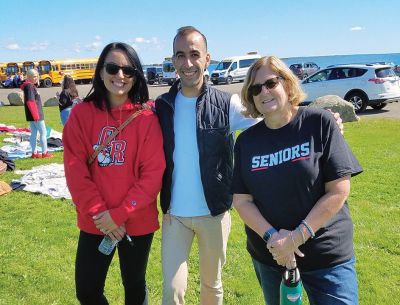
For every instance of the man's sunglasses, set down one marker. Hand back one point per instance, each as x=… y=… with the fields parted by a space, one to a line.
x=271 y=83
x=113 y=69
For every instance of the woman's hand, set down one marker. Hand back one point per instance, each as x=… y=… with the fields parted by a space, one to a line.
x=104 y=222
x=118 y=233
x=283 y=246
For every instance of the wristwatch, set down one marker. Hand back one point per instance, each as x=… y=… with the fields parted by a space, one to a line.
x=267 y=235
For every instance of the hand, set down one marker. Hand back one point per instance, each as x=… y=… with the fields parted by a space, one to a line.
x=291 y=262
x=338 y=119
x=283 y=245
x=57 y=94
x=104 y=222
x=118 y=233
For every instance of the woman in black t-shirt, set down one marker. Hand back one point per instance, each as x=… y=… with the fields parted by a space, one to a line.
x=291 y=181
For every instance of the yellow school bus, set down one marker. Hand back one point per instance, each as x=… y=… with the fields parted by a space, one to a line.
x=53 y=71
x=13 y=68
x=27 y=65
x=3 y=71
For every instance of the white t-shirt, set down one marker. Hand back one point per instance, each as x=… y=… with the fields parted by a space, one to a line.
x=187 y=196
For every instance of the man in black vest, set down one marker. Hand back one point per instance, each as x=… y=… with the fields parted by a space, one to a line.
x=198 y=122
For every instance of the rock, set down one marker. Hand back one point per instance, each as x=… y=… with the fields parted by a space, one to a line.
x=16 y=98
x=337 y=104
x=51 y=102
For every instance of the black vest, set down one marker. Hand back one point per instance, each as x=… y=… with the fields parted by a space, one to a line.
x=214 y=141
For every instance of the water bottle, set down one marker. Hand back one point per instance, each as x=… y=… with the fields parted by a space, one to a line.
x=291 y=287
x=107 y=245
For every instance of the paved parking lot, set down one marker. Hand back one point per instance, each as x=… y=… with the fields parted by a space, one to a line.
x=391 y=111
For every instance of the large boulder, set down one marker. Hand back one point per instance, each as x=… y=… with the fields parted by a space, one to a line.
x=337 y=104
x=51 y=102
x=16 y=98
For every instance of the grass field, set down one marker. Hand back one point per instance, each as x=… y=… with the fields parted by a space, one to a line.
x=38 y=234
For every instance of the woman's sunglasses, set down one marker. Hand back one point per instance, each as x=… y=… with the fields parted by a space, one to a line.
x=271 y=83
x=113 y=69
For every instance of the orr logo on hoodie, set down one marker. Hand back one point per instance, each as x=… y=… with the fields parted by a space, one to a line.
x=114 y=152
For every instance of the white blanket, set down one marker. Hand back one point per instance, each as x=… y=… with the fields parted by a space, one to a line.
x=45 y=179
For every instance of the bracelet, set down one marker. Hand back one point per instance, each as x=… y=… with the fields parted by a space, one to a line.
x=302 y=234
x=309 y=229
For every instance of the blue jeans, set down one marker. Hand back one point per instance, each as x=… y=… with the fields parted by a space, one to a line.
x=64 y=114
x=335 y=285
x=35 y=127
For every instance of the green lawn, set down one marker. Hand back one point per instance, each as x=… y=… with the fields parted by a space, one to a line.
x=39 y=235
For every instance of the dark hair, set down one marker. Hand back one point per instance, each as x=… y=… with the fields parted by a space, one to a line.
x=138 y=94
x=69 y=86
x=185 y=30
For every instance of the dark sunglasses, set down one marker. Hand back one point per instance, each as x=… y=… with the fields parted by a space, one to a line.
x=113 y=69
x=271 y=83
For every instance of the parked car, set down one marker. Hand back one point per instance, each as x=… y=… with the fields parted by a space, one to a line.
x=363 y=85
x=154 y=75
x=303 y=70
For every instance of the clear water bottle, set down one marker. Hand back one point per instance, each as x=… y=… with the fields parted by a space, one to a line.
x=107 y=245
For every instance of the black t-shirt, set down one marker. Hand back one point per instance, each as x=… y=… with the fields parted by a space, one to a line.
x=285 y=170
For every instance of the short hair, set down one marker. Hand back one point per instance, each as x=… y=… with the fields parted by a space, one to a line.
x=186 y=30
x=139 y=92
x=290 y=82
x=32 y=72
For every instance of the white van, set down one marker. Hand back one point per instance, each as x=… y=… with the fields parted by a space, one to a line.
x=169 y=72
x=233 y=68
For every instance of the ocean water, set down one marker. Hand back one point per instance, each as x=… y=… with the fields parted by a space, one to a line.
x=324 y=61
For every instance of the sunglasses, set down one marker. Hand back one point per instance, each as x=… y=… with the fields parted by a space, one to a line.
x=113 y=69
x=271 y=83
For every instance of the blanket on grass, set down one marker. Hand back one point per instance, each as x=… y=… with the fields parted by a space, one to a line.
x=46 y=179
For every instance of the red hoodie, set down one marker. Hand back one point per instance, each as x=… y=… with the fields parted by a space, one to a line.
x=125 y=178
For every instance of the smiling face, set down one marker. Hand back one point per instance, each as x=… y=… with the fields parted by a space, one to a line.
x=270 y=101
x=190 y=60
x=117 y=85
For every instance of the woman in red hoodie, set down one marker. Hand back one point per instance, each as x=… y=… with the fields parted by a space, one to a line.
x=116 y=195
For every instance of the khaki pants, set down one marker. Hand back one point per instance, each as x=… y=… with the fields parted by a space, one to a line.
x=177 y=237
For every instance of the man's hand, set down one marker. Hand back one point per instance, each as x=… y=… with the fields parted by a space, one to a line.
x=338 y=119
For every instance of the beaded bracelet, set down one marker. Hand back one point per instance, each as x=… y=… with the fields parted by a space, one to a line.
x=309 y=229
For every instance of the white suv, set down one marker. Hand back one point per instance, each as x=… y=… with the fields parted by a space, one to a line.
x=363 y=85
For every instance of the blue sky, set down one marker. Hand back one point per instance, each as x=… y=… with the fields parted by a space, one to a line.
x=51 y=29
